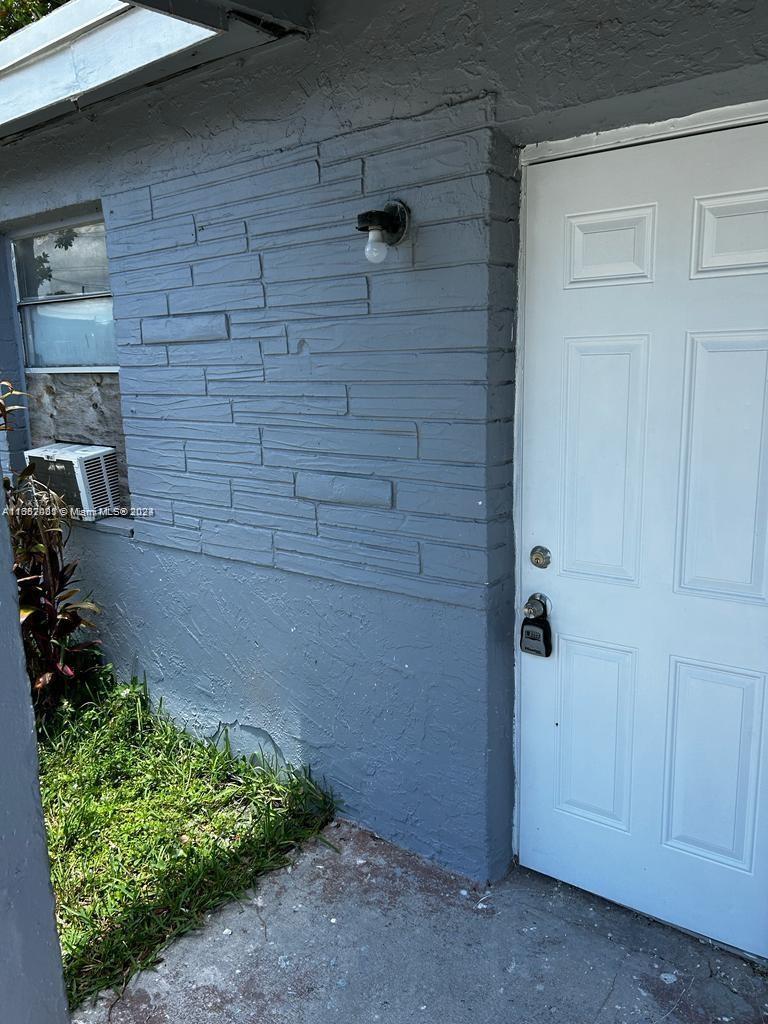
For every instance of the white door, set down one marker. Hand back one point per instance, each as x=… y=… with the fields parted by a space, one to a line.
x=643 y=768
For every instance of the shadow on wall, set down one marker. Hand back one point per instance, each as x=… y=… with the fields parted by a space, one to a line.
x=384 y=696
x=327 y=445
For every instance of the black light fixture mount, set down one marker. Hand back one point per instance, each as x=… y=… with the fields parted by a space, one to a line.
x=385 y=228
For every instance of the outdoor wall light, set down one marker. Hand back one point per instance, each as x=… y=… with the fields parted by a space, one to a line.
x=385 y=227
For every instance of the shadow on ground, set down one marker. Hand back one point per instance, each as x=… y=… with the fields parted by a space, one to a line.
x=374 y=934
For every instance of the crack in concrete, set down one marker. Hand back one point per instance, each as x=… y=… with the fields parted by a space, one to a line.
x=605 y=1001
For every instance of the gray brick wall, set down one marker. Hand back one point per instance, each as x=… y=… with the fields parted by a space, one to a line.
x=290 y=405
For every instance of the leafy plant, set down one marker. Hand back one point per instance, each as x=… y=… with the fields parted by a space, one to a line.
x=52 y=610
x=41 y=269
x=15 y=14
x=65 y=238
x=8 y=392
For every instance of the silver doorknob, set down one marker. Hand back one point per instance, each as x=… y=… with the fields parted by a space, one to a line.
x=535 y=607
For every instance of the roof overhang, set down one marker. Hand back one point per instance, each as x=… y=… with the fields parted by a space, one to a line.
x=89 y=50
x=276 y=18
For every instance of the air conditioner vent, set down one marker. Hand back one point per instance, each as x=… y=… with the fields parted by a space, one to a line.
x=97 y=481
x=86 y=476
x=113 y=475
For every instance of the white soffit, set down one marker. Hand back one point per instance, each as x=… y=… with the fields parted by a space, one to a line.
x=90 y=49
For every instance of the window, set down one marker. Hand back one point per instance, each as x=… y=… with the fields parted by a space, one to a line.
x=64 y=298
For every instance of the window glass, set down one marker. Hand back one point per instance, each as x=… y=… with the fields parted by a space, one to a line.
x=76 y=333
x=66 y=261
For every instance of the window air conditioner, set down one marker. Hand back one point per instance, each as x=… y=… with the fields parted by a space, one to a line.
x=84 y=475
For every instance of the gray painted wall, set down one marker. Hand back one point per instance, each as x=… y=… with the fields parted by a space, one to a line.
x=31 y=982
x=385 y=695
x=328 y=444
x=555 y=67
x=289 y=407
x=288 y=404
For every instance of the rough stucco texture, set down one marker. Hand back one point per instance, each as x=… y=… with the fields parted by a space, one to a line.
x=328 y=445
x=385 y=696
x=557 y=67
x=289 y=407
x=31 y=981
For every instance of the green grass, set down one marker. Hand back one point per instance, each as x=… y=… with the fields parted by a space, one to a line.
x=149 y=828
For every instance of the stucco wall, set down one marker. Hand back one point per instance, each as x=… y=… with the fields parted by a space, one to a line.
x=328 y=444
x=555 y=67
x=385 y=695
x=31 y=981
x=288 y=404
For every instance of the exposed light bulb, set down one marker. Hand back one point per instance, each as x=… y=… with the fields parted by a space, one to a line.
x=376 y=247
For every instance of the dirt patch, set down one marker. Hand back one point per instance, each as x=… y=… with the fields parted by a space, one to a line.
x=137 y=1006
x=383 y=874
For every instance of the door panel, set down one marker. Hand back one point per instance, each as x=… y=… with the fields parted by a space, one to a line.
x=604 y=414
x=711 y=803
x=593 y=736
x=724 y=513
x=645 y=440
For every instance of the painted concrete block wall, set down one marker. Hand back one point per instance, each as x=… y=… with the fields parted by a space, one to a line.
x=333 y=440
x=31 y=980
x=341 y=422
x=291 y=405
x=288 y=406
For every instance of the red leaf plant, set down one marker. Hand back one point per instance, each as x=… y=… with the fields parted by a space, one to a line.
x=53 y=614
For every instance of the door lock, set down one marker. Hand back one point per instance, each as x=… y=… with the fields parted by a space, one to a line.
x=534 y=607
x=536 y=632
x=540 y=556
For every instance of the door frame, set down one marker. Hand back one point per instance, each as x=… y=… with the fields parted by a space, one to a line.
x=718 y=119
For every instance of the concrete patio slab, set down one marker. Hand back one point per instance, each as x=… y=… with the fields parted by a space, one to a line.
x=373 y=934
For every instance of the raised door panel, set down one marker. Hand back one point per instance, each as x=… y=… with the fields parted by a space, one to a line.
x=610 y=247
x=724 y=476
x=602 y=456
x=593 y=731
x=730 y=235
x=714 y=733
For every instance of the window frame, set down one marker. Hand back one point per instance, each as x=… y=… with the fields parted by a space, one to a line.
x=31 y=231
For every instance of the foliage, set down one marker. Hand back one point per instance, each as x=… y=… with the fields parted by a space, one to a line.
x=40 y=268
x=8 y=393
x=65 y=239
x=15 y=14
x=149 y=829
x=51 y=609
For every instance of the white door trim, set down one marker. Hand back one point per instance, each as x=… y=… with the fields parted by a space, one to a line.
x=517 y=503
x=560 y=149
x=633 y=135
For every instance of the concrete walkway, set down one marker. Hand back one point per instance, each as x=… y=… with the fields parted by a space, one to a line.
x=375 y=934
